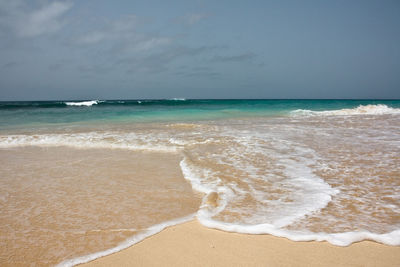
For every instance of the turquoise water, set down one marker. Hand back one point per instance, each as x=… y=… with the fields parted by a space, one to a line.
x=53 y=113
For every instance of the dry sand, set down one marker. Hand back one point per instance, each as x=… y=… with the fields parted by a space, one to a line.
x=191 y=244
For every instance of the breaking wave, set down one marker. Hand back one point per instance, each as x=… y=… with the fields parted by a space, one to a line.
x=177 y=99
x=83 y=103
x=90 y=140
x=379 y=109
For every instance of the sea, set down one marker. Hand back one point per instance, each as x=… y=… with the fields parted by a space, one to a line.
x=86 y=178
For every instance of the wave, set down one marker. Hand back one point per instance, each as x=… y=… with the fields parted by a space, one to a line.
x=177 y=99
x=90 y=140
x=127 y=243
x=308 y=192
x=379 y=109
x=338 y=239
x=234 y=147
x=316 y=201
x=83 y=103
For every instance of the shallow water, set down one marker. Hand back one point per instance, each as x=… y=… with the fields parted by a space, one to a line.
x=59 y=203
x=72 y=189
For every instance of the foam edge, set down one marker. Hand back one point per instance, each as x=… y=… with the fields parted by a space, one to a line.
x=338 y=239
x=127 y=243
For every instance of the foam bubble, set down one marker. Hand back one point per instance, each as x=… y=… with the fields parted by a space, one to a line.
x=360 y=110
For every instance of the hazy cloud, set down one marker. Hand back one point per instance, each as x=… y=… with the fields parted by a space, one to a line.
x=190 y=18
x=198 y=72
x=235 y=58
x=45 y=20
x=119 y=29
x=194 y=18
x=152 y=42
x=92 y=38
x=130 y=49
x=95 y=69
x=180 y=51
x=9 y=65
x=28 y=21
x=161 y=60
x=58 y=65
x=123 y=36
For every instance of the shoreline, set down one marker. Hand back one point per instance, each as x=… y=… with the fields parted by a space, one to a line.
x=191 y=244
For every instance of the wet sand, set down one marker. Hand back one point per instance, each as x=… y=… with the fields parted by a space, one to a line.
x=191 y=244
x=59 y=203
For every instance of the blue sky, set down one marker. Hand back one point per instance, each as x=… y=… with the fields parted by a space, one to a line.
x=120 y=49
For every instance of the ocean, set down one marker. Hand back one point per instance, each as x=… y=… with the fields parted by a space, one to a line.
x=86 y=178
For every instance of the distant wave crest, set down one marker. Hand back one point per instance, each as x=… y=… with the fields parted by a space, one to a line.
x=379 y=109
x=83 y=103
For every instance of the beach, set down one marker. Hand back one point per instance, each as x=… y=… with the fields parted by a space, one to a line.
x=206 y=182
x=191 y=244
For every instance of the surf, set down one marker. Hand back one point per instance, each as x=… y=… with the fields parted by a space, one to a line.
x=379 y=109
x=83 y=103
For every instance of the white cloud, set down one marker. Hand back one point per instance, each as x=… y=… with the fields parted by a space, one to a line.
x=26 y=21
x=44 y=20
x=193 y=18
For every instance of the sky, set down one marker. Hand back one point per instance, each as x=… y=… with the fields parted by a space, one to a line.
x=126 y=49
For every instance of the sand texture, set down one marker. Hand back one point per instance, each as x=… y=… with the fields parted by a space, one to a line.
x=191 y=244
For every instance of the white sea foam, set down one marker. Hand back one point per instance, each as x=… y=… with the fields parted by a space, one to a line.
x=197 y=178
x=305 y=192
x=360 y=110
x=308 y=194
x=83 y=103
x=338 y=239
x=89 y=140
x=313 y=201
x=127 y=243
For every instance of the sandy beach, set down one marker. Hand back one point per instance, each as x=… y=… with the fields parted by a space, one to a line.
x=191 y=244
x=73 y=192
